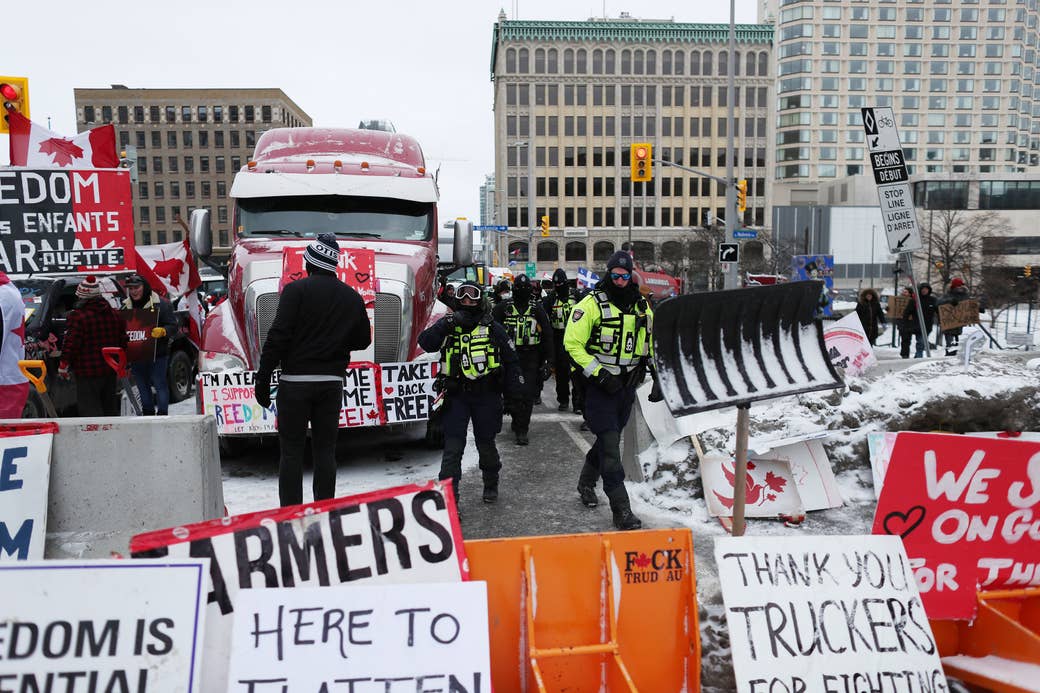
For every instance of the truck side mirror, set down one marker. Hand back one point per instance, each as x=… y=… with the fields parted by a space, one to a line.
x=462 y=246
x=201 y=235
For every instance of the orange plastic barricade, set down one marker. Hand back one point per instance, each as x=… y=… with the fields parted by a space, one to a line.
x=1007 y=626
x=614 y=611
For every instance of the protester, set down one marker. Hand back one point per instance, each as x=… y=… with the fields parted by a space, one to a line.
x=911 y=325
x=92 y=326
x=151 y=372
x=868 y=308
x=320 y=320
x=956 y=293
x=14 y=388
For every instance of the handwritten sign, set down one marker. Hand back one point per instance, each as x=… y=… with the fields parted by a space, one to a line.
x=966 y=509
x=373 y=395
x=140 y=629
x=848 y=346
x=356 y=269
x=825 y=613
x=431 y=637
x=954 y=316
x=25 y=471
x=404 y=534
x=896 y=306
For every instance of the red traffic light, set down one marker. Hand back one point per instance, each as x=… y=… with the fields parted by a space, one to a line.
x=641 y=152
x=9 y=92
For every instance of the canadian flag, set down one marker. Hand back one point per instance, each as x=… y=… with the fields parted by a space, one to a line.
x=171 y=271
x=35 y=146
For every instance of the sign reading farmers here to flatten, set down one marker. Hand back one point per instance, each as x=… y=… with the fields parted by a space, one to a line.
x=967 y=511
x=426 y=637
x=102 y=625
x=25 y=472
x=404 y=534
x=60 y=220
x=826 y=614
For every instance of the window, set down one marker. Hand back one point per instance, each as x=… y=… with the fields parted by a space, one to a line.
x=218 y=139
x=159 y=192
x=575 y=251
x=265 y=117
x=185 y=114
x=153 y=114
x=186 y=138
x=156 y=139
x=218 y=114
x=189 y=164
x=233 y=114
x=203 y=138
x=171 y=114
x=250 y=113
x=171 y=162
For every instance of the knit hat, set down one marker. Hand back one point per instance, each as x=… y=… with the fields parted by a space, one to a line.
x=323 y=252
x=88 y=288
x=956 y=283
x=620 y=259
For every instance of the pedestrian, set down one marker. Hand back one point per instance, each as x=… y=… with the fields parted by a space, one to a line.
x=911 y=324
x=14 y=387
x=477 y=362
x=956 y=293
x=503 y=292
x=609 y=337
x=320 y=320
x=558 y=305
x=92 y=326
x=528 y=326
x=151 y=372
x=868 y=308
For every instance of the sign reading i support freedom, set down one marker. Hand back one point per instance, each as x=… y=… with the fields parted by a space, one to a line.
x=893 y=185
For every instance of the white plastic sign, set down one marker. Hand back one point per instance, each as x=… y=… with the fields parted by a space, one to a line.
x=25 y=469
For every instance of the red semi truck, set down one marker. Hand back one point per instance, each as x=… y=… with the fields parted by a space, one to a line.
x=372 y=190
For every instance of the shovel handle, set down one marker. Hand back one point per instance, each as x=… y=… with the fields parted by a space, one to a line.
x=38 y=381
x=115 y=357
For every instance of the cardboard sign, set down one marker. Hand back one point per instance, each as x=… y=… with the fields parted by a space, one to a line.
x=404 y=534
x=967 y=511
x=141 y=344
x=896 y=306
x=373 y=395
x=61 y=220
x=825 y=613
x=356 y=269
x=954 y=316
x=25 y=472
x=848 y=346
x=430 y=637
x=102 y=625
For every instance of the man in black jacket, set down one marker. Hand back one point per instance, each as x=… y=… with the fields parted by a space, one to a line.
x=320 y=320
x=151 y=372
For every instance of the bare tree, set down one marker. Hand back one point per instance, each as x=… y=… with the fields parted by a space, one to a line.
x=953 y=239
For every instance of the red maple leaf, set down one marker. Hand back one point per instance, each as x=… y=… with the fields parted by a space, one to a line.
x=171 y=269
x=63 y=150
x=750 y=464
x=775 y=482
x=373 y=414
x=643 y=560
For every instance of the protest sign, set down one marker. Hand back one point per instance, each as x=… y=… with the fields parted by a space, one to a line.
x=140 y=342
x=825 y=613
x=25 y=472
x=896 y=306
x=966 y=509
x=356 y=269
x=141 y=629
x=770 y=488
x=848 y=346
x=404 y=534
x=426 y=637
x=960 y=315
x=62 y=220
x=373 y=395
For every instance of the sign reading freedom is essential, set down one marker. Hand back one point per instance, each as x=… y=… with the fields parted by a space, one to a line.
x=356 y=269
x=404 y=534
x=141 y=628
x=59 y=220
x=25 y=472
x=427 y=637
x=830 y=613
x=968 y=510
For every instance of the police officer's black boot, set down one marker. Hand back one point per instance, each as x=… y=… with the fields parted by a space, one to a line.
x=622 y=510
x=587 y=485
x=489 y=466
x=451 y=466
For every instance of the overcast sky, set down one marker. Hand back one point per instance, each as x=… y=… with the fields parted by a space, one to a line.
x=423 y=64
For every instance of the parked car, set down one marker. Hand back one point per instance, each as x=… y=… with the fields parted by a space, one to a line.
x=843 y=302
x=214 y=288
x=48 y=300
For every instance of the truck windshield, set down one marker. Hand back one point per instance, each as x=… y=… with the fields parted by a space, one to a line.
x=350 y=217
x=34 y=292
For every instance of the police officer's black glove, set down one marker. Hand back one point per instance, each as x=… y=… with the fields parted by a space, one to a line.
x=449 y=319
x=611 y=384
x=655 y=392
x=262 y=388
x=545 y=372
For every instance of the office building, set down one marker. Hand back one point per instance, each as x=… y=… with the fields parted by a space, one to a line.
x=189 y=145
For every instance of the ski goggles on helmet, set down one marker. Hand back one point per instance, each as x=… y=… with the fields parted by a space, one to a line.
x=468 y=291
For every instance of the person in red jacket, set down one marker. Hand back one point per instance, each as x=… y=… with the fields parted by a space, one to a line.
x=92 y=326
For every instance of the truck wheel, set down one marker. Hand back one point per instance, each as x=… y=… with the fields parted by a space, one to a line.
x=33 y=408
x=178 y=375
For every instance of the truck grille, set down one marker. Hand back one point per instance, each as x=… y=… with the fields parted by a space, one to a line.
x=388 y=316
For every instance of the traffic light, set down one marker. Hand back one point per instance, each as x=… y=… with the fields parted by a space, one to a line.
x=1028 y=270
x=545 y=224
x=642 y=162
x=741 y=195
x=15 y=94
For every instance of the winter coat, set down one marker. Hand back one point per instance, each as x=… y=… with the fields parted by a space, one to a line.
x=928 y=308
x=868 y=308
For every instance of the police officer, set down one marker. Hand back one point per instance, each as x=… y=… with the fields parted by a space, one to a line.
x=558 y=305
x=503 y=292
x=528 y=326
x=608 y=336
x=477 y=361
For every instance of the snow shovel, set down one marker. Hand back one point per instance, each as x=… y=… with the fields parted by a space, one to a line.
x=115 y=357
x=39 y=382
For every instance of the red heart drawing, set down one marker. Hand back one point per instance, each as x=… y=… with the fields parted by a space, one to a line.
x=361 y=277
x=903 y=523
x=295 y=275
x=389 y=390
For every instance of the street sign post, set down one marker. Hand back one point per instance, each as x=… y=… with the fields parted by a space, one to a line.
x=490 y=228
x=893 y=183
x=729 y=252
x=530 y=270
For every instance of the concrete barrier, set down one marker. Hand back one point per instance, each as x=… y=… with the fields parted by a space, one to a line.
x=112 y=478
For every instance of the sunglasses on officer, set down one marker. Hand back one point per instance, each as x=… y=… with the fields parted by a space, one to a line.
x=468 y=291
x=621 y=275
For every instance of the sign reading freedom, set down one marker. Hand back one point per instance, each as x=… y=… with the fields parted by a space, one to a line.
x=58 y=220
